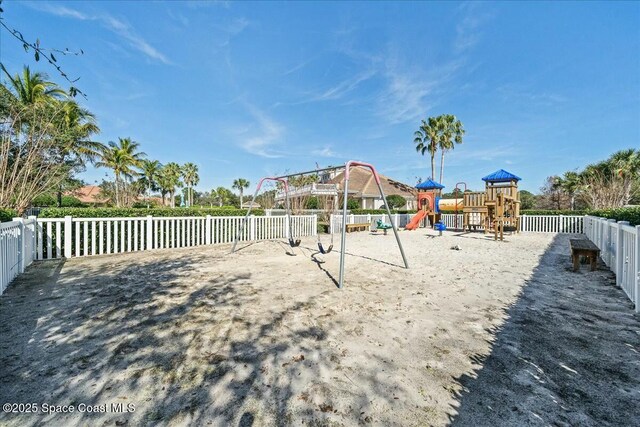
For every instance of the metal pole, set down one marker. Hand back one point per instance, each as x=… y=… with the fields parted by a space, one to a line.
x=393 y=227
x=343 y=240
x=246 y=217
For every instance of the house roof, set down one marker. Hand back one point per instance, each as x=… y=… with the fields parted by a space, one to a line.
x=429 y=185
x=88 y=194
x=362 y=183
x=501 y=176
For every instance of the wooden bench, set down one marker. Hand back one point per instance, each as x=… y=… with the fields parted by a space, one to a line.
x=364 y=226
x=586 y=248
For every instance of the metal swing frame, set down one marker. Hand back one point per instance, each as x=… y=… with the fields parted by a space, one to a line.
x=394 y=227
x=292 y=243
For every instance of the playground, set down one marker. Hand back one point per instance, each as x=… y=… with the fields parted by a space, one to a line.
x=491 y=334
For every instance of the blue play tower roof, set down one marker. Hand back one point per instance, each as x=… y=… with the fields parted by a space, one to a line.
x=501 y=176
x=429 y=185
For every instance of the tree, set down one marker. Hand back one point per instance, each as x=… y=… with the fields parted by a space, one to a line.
x=451 y=131
x=79 y=125
x=240 y=184
x=570 y=183
x=527 y=199
x=171 y=177
x=41 y=140
x=191 y=178
x=427 y=139
x=30 y=88
x=149 y=171
x=396 y=201
x=123 y=157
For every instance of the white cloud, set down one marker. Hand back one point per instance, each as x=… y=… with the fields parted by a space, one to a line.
x=259 y=137
x=114 y=25
x=468 y=30
x=324 y=152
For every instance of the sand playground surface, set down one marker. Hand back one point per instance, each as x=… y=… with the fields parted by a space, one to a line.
x=491 y=334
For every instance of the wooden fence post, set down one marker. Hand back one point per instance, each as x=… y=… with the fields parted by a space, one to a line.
x=68 y=230
x=21 y=244
x=34 y=249
x=149 y=233
x=610 y=243
x=314 y=222
x=619 y=253
x=207 y=230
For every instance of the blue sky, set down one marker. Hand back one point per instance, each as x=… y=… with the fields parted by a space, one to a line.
x=253 y=89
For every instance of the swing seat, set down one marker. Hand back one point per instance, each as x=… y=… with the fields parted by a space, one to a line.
x=322 y=250
x=294 y=244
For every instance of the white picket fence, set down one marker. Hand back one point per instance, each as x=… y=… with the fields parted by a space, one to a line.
x=619 y=244
x=528 y=223
x=23 y=241
x=17 y=248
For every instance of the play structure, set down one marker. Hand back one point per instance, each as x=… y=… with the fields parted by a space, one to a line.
x=493 y=209
x=498 y=206
x=428 y=204
x=296 y=242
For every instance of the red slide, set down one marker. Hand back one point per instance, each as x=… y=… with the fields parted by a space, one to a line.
x=415 y=221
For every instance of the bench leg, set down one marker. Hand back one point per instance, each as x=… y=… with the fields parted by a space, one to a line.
x=576 y=262
x=594 y=262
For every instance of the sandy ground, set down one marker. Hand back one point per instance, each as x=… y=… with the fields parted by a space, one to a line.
x=492 y=334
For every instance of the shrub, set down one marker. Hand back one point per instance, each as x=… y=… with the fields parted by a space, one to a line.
x=619 y=214
x=7 y=215
x=50 y=200
x=353 y=204
x=550 y=212
x=137 y=212
x=396 y=201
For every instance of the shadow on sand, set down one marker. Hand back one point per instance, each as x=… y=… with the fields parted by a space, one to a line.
x=567 y=354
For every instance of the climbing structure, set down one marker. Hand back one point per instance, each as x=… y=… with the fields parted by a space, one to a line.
x=428 y=201
x=498 y=206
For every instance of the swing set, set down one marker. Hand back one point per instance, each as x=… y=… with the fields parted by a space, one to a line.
x=296 y=242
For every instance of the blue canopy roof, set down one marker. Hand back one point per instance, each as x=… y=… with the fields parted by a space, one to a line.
x=501 y=176
x=429 y=185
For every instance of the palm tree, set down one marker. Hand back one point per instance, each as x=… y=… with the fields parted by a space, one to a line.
x=191 y=178
x=451 y=131
x=570 y=183
x=172 y=173
x=164 y=184
x=31 y=88
x=240 y=184
x=426 y=139
x=123 y=158
x=77 y=148
x=626 y=164
x=150 y=169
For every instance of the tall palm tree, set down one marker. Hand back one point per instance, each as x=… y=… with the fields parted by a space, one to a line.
x=570 y=183
x=123 y=157
x=451 y=131
x=30 y=88
x=426 y=139
x=240 y=184
x=626 y=164
x=164 y=182
x=172 y=173
x=150 y=169
x=77 y=147
x=191 y=178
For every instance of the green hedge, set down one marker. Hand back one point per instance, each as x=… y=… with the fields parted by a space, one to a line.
x=7 y=215
x=619 y=214
x=137 y=212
